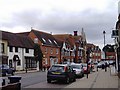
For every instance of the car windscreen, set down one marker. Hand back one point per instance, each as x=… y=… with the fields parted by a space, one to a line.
x=57 y=68
x=76 y=66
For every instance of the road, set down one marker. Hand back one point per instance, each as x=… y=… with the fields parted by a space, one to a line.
x=32 y=78
x=38 y=78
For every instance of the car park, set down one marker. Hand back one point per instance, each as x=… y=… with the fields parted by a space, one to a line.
x=79 y=71
x=60 y=72
x=5 y=69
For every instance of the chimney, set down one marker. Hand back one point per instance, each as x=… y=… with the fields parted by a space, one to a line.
x=75 y=33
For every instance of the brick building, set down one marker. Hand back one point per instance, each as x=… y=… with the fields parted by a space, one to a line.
x=95 y=52
x=48 y=45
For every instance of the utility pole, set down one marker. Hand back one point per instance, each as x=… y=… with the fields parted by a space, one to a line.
x=105 y=51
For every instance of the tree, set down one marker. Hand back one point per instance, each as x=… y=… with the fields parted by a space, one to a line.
x=38 y=55
x=108 y=48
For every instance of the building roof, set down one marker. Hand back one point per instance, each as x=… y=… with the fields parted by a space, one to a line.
x=68 y=38
x=46 y=38
x=16 y=40
x=93 y=47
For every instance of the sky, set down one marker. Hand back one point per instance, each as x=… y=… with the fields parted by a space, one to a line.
x=61 y=17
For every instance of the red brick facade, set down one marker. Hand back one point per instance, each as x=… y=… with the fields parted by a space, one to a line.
x=51 y=53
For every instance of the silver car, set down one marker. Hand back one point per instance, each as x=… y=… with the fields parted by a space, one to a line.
x=79 y=71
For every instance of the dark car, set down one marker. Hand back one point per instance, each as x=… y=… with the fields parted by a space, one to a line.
x=5 y=69
x=60 y=72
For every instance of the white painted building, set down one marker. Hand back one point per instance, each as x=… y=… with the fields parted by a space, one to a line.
x=20 y=51
x=20 y=57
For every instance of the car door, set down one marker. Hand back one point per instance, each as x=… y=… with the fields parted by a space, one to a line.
x=71 y=72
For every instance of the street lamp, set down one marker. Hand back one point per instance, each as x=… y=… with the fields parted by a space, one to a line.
x=104 y=37
x=104 y=51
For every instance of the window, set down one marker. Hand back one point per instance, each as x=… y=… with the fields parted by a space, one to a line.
x=44 y=40
x=50 y=41
x=57 y=51
x=35 y=40
x=16 y=49
x=27 y=50
x=51 y=51
x=11 y=49
x=30 y=63
x=2 y=48
x=55 y=42
x=45 y=50
x=19 y=63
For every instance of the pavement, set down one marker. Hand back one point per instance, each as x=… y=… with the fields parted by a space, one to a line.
x=96 y=79
x=23 y=72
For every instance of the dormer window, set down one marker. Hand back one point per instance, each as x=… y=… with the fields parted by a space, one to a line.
x=35 y=40
x=55 y=42
x=44 y=40
x=49 y=40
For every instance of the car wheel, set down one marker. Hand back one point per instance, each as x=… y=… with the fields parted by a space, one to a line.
x=67 y=80
x=49 y=81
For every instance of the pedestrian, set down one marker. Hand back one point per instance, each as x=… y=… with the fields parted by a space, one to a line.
x=44 y=68
x=97 y=68
x=105 y=66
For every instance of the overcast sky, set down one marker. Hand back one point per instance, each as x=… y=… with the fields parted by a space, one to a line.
x=61 y=16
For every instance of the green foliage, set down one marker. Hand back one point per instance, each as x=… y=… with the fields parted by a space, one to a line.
x=108 y=48
x=38 y=53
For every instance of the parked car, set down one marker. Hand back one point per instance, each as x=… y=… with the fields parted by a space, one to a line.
x=60 y=72
x=5 y=69
x=111 y=62
x=85 y=68
x=91 y=65
x=101 y=65
x=79 y=71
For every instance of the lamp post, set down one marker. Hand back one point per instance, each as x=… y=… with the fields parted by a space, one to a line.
x=104 y=51
x=104 y=37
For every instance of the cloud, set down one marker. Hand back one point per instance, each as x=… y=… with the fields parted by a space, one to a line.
x=65 y=17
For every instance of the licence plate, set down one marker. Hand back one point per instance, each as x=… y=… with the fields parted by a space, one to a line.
x=55 y=73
